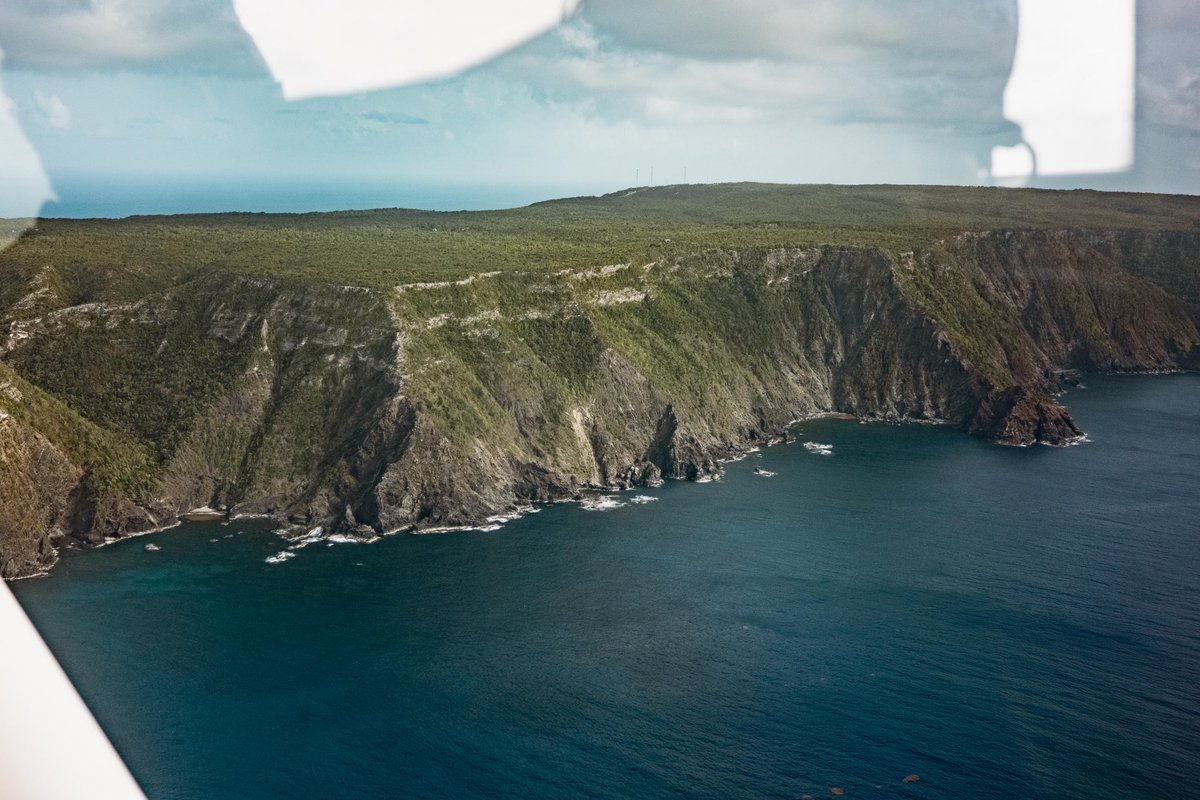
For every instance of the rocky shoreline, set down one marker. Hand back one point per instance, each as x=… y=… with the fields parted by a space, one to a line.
x=588 y=496
x=439 y=406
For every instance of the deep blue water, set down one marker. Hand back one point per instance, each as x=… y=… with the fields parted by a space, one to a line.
x=1006 y=623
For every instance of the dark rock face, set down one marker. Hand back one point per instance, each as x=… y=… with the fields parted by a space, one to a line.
x=438 y=405
x=1021 y=416
x=36 y=481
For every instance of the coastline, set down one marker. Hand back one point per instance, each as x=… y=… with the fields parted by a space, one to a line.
x=589 y=497
x=905 y=540
x=295 y=533
x=83 y=547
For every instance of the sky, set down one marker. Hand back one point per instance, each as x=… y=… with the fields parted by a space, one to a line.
x=121 y=98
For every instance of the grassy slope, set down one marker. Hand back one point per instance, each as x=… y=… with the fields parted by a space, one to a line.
x=63 y=263
x=69 y=262
x=125 y=259
x=115 y=465
x=222 y=384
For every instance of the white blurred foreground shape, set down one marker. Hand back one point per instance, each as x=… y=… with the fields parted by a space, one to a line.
x=24 y=185
x=1071 y=90
x=50 y=747
x=328 y=47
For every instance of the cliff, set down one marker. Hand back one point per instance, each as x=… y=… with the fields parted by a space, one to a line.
x=151 y=366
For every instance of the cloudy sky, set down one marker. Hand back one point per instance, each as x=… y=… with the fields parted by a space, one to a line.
x=171 y=92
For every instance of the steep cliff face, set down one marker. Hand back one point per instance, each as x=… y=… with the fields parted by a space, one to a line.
x=36 y=483
x=425 y=405
x=1168 y=259
x=60 y=475
x=1021 y=307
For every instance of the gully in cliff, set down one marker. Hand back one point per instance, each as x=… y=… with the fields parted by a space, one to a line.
x=323 y=395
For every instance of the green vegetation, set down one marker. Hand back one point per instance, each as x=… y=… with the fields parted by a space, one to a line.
x=113 y=465
x=130 y=374
x=123 y=259
x=377 y=370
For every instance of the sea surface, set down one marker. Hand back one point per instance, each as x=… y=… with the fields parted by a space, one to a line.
x=1004 y=623
x=122 y=196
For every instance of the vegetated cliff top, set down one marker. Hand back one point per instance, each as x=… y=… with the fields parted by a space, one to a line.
x=244 y=374
x=385 y=247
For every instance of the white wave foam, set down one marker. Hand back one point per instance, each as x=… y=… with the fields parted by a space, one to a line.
x=312 y=537
x=604 y=503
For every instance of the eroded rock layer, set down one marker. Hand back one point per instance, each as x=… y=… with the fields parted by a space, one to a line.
x=370 y=410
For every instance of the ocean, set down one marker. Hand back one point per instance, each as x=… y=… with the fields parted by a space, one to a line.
x=122 y=196
x=1003 y=623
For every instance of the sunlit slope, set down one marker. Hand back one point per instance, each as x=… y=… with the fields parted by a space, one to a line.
x=379 y=371
x=389 y=246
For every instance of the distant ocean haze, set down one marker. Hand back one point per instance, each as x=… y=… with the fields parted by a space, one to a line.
x=122 y=196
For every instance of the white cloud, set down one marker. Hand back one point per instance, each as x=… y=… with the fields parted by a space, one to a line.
x=53 y=109
x=1173 y=103
x=774 y=61
x=821 y=31
x=1169 y=66
x=70 y=35
x=578 y=37
x=933 y=63
x=1166 y=16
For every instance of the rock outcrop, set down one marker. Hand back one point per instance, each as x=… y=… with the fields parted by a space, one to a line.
x=370 y=410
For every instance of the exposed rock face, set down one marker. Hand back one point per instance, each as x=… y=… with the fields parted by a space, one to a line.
x=434 y=405
x=1020 y=416
x=36 y=484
